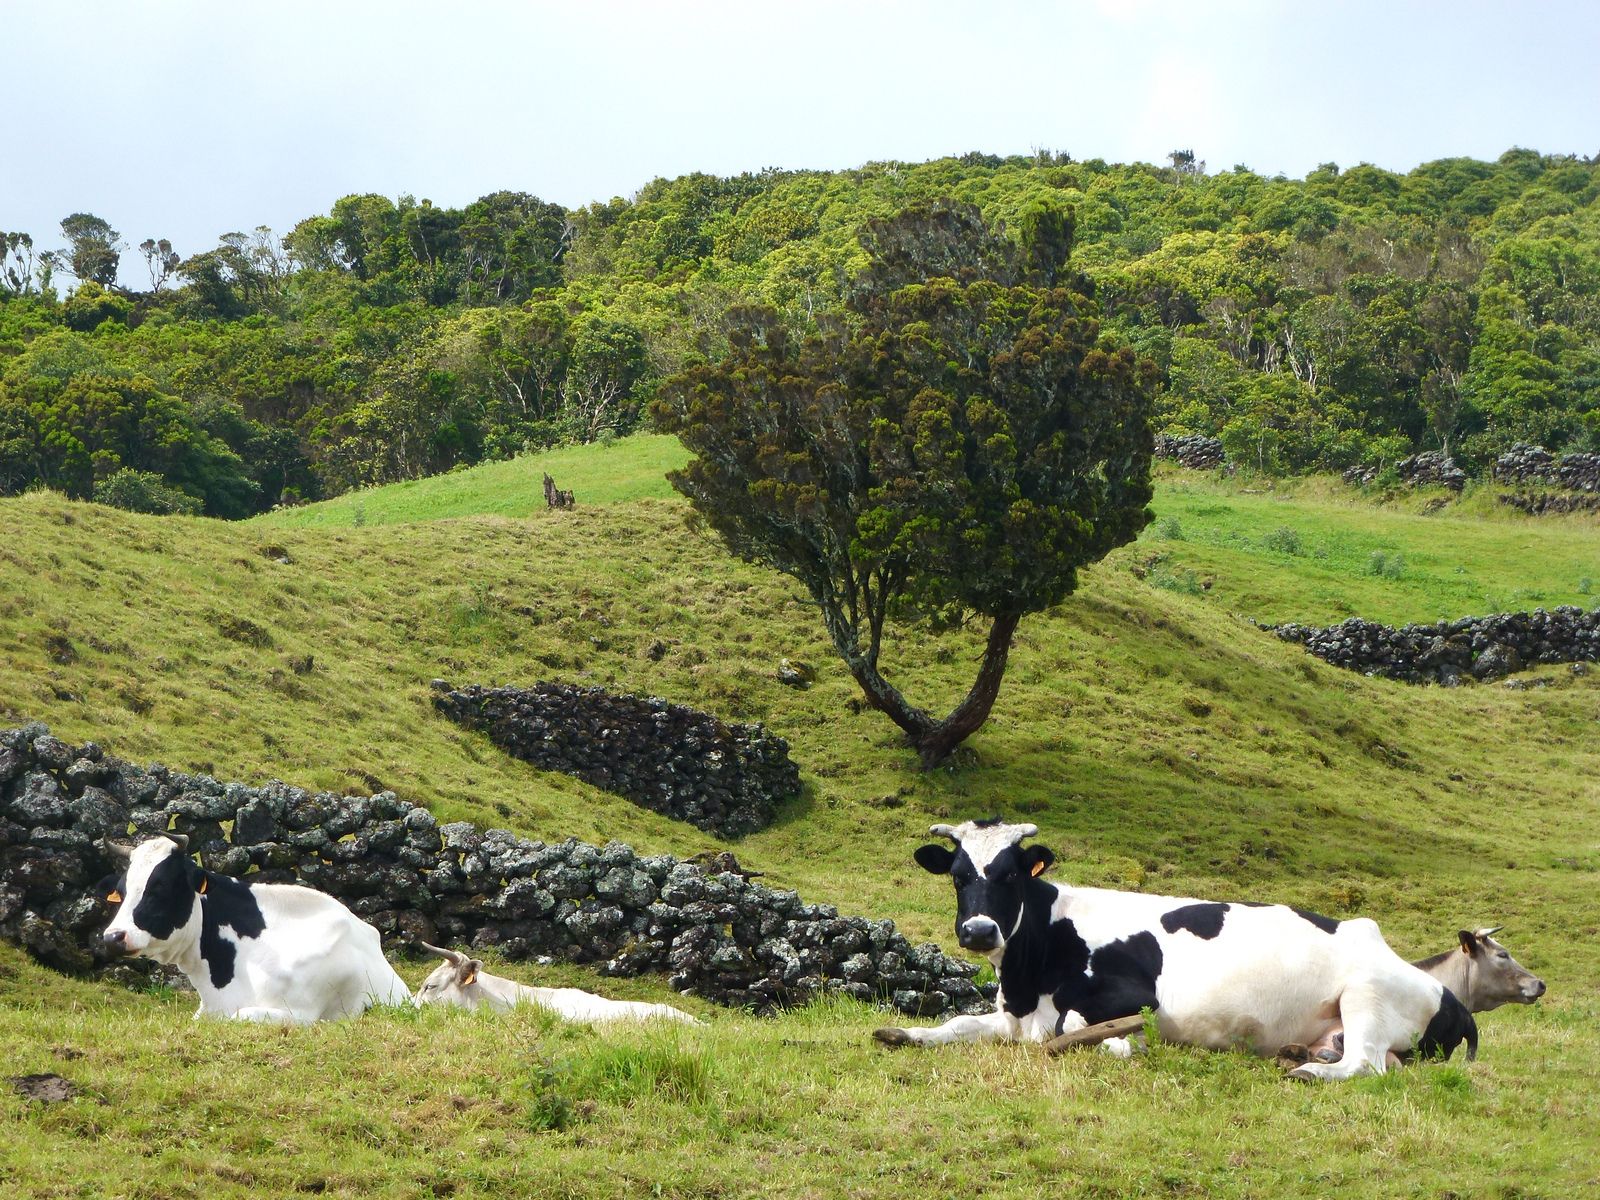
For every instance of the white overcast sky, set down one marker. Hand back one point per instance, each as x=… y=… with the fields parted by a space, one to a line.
x=190 y=118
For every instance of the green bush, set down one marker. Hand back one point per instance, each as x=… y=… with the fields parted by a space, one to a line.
x=1387 y=566
x=145 y=492
x=1184 y=581
x=1284 y=540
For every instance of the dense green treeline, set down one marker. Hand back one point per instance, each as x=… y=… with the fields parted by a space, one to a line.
x=1353 y=316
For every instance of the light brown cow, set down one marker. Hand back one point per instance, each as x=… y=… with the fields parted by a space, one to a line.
x=463 y=982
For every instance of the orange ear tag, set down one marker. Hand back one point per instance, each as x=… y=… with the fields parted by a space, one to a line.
x=203 y=883
x=1038 y=869
x=114 y=898
x=470 y=979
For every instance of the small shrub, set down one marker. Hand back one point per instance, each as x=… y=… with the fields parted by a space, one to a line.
x=1388 y=566
x=145 y=492
x=550 y=1107
x=1585 y=586
x=1284 y=540
x=1169 y=528
x=1184 y=581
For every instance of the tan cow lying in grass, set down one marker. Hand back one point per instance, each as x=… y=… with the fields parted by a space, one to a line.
x=463 y=982
x=1481 y=973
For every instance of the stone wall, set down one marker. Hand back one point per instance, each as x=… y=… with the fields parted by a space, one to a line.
x=715 y=933
x=1534 y=464
x=724 y=779
x=1446 y=652
x=1192 y=450
x=1428 y=469
x=1537 y=504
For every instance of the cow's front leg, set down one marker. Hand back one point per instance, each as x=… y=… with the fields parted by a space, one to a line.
x=998 y=1026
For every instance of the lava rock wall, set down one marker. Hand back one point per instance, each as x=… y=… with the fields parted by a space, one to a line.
x=1478 y=647
x=1534 y=464
x=1428 y=469
x=725 y=779
x=716 y=934
x=1192 y=450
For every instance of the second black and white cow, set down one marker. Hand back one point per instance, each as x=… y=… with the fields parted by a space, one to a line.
x=1221 y=975
x=257 y=952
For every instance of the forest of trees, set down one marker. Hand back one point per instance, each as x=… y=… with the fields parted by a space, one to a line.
x=1351 y=317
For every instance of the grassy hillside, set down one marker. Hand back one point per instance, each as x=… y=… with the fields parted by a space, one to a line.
x=1155 y=736
x=606 y=473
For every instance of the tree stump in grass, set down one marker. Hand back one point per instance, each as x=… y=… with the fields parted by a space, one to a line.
x=554 y=497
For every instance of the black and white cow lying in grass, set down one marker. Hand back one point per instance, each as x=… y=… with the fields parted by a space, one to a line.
x=257 y=952
x=1481 y=973
x=463 y=982
x=1217 y=975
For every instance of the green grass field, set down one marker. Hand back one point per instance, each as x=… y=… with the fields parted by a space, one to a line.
x=1157 y=738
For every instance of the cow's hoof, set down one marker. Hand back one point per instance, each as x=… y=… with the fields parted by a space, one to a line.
x=1328 y=1056
x=891 y=1036
x=1306 y=1073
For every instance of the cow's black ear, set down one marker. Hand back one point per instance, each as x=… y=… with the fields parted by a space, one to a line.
x=1469 y=941
x=934 y=858
x=1039 y=859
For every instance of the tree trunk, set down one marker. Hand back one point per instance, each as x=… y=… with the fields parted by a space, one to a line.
x=935 y=745
x=932 y=739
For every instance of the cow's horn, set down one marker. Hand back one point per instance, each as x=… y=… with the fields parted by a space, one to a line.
x=1027 y=830
x=1483 y=933
x=948 y=831
x=116 y=849
x=182 y=839
x=455 y=958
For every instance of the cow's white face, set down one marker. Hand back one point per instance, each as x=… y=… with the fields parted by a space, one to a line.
x=454 y=981
x=157 y=896
x=991 y=873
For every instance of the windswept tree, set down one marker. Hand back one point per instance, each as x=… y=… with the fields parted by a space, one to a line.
x=94 y=252
x=958 y=445
x=17 y=269
x=160 y=259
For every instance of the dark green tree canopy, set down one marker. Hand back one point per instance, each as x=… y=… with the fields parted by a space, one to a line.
x=955 y=444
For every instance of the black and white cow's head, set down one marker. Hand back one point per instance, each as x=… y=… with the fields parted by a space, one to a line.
x=992 y=873
x=156 y=895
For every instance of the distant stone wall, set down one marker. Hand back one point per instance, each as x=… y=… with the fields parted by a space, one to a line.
x=1534 y=464
x=715 y=933
x=1430 y=469
x=1191 y=450
x=1446 y=652
x=725 y=779
x=1537 y=504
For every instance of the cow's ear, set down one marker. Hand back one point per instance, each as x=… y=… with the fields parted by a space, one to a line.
x=467 y=972
x=1038 y=859
x=1469 y=941
x=934 y=858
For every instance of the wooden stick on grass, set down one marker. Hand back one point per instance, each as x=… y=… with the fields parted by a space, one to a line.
x=1093 y=1035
